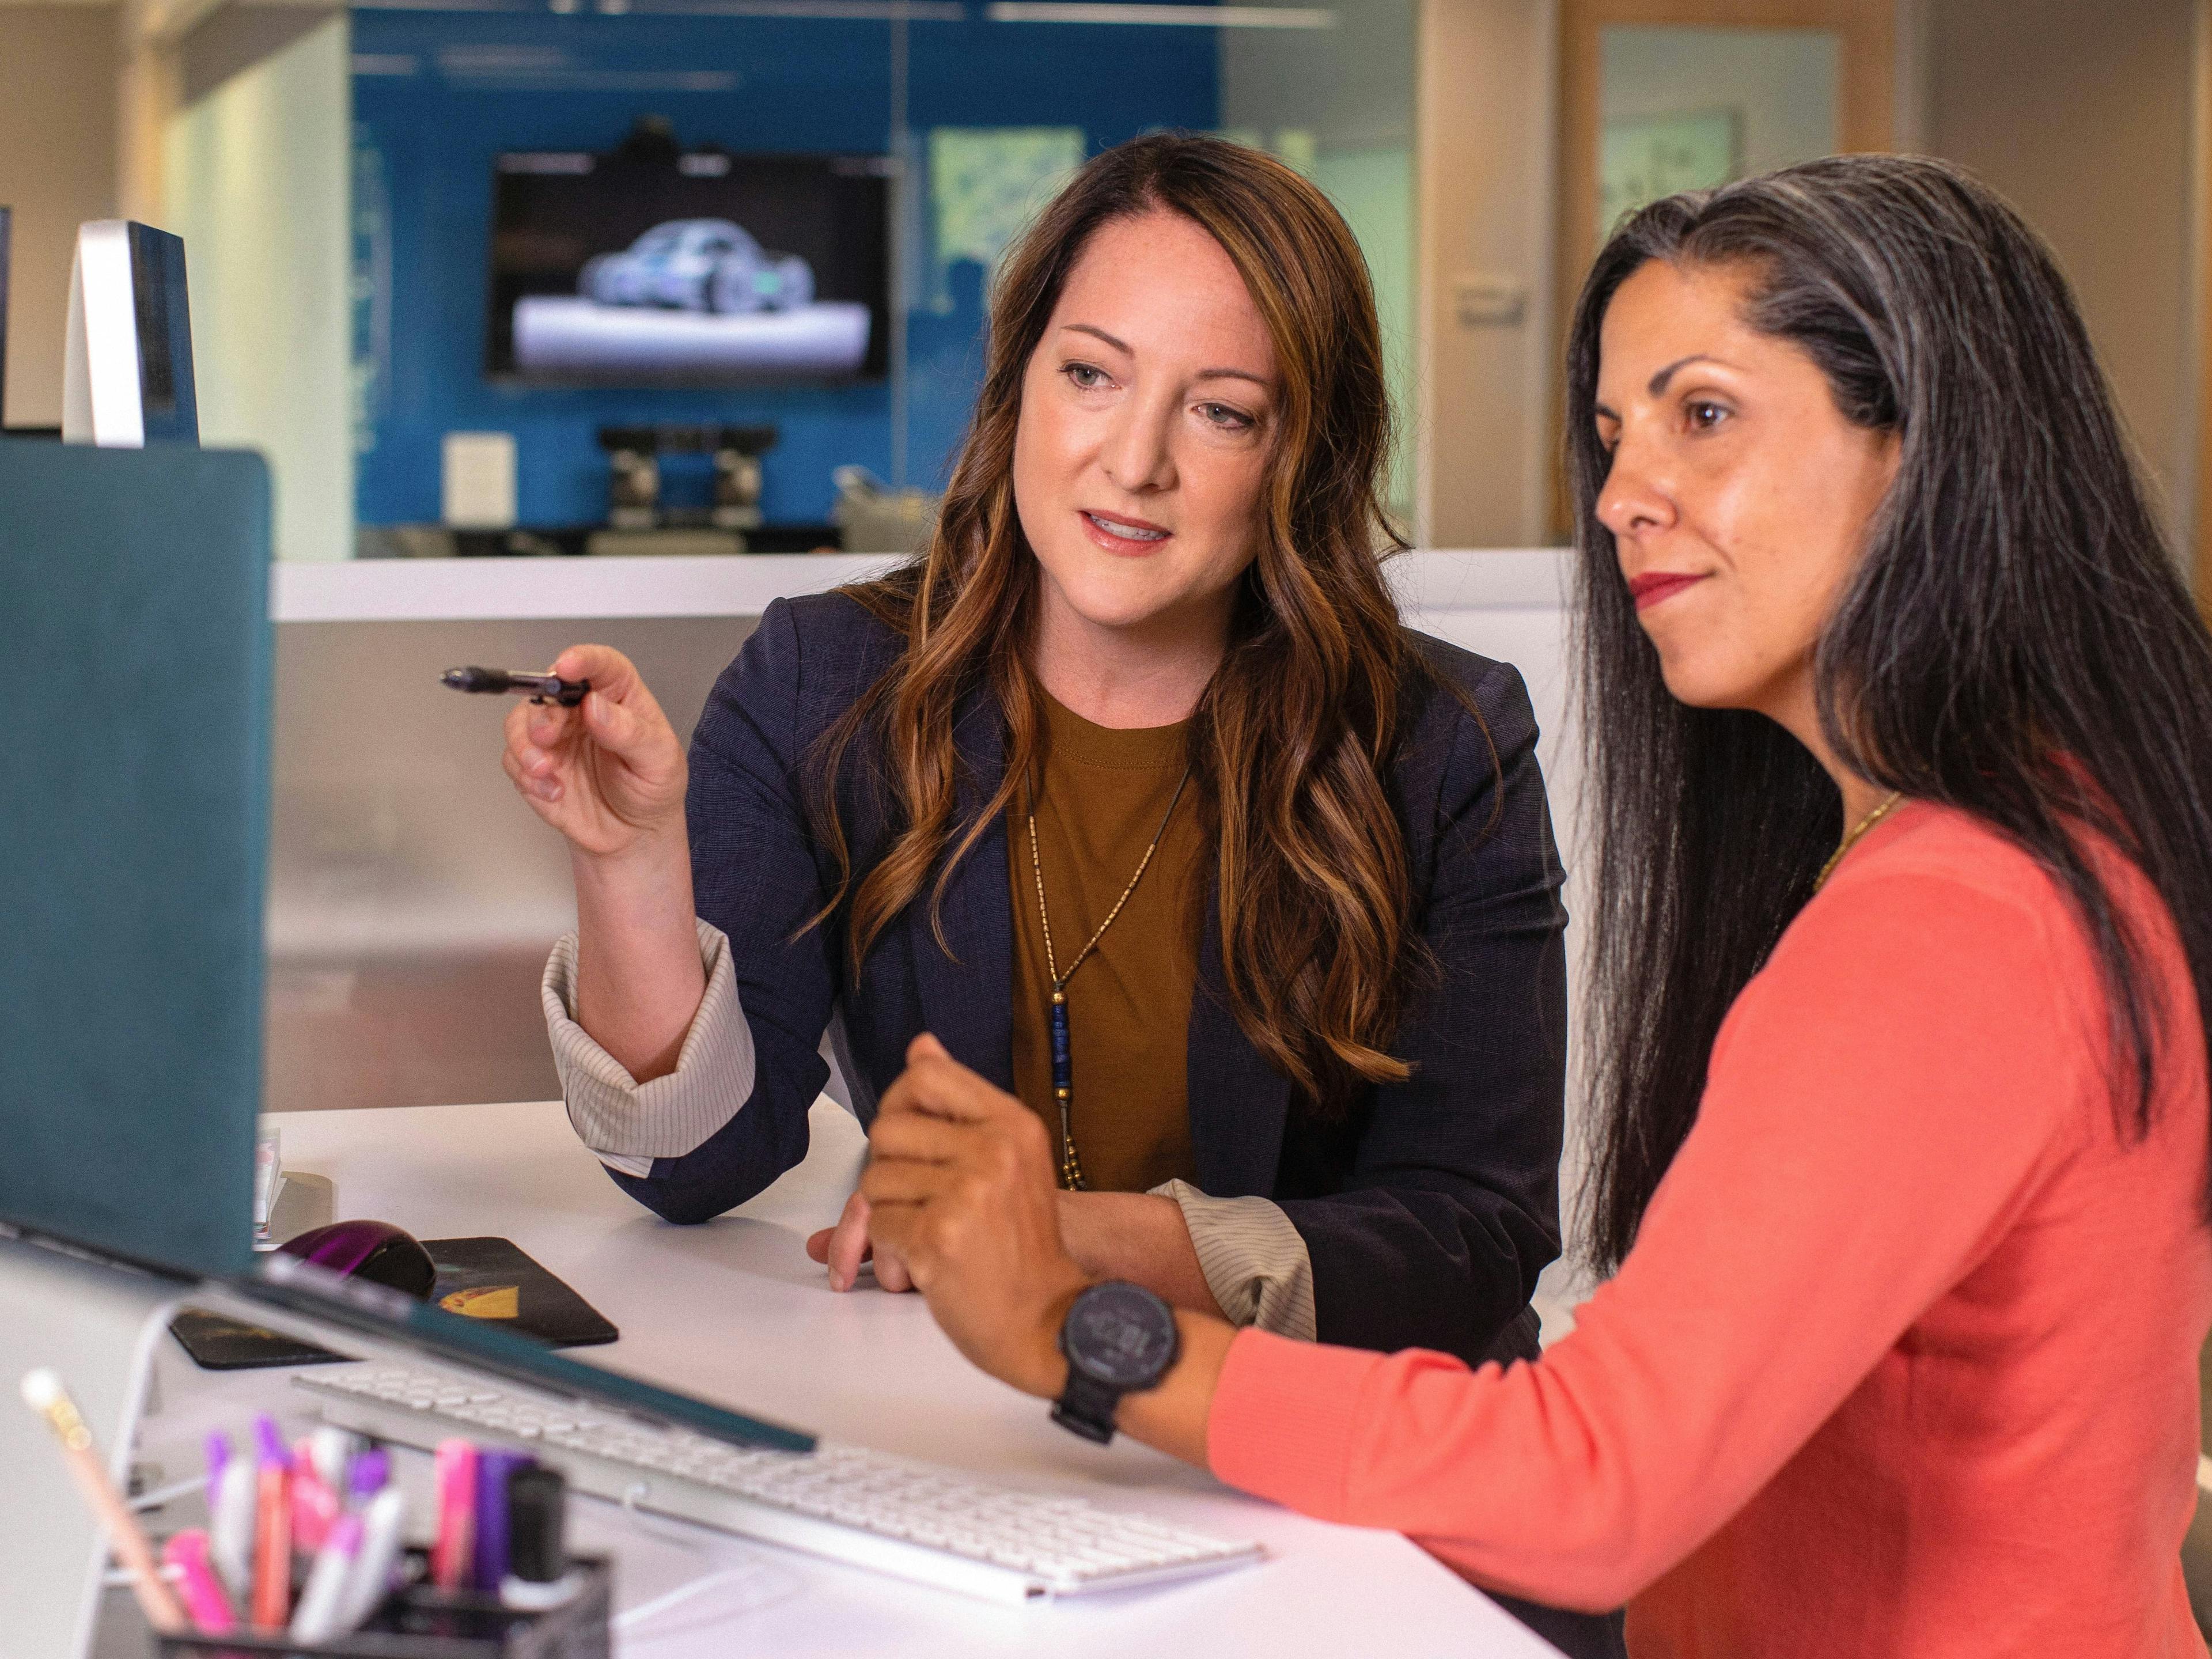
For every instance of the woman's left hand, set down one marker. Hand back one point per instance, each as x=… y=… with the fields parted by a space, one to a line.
x=961 y=1187
x=843 y=1247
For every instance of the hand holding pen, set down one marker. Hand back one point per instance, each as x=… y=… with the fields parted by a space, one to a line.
x=608 y=774
x=542 y=688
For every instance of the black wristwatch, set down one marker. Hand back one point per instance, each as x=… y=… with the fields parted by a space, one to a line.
x=1119 y=1339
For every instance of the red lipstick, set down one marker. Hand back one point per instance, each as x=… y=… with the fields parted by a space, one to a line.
x=1654 y=586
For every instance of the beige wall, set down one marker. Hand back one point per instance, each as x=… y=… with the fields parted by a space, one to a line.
x=57 y=103
x=256 y=169
x=1349 y=91
x=1484 y=101
x=2081 y=114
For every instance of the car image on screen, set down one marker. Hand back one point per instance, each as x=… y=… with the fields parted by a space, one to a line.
x=711 y=265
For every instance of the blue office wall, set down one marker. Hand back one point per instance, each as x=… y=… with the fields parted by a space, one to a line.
x=438 y=94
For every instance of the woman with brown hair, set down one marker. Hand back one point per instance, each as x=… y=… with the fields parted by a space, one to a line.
x=1135 y=790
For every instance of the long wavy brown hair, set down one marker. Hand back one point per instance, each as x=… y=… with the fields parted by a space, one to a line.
x=1291 y=742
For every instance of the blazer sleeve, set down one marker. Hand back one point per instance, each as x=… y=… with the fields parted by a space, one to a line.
x=755 y=876
x=628 y=1123
x=1450 y=1207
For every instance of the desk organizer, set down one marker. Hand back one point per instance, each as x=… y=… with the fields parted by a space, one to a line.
x=419 y=1621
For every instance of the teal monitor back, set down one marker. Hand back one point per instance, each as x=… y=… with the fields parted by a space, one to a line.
x=134 y=815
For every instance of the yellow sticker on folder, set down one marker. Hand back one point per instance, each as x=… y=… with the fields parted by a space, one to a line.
x=486 y=1302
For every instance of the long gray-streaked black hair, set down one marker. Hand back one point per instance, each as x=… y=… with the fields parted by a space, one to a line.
x=2016 y=640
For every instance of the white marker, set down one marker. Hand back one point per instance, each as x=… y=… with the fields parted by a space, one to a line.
x=322 y=1603
x=331 y=1449
x=230 y=1528
x=382 y=1526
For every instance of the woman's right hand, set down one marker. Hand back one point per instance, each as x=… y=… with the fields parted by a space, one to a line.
x=608 y=773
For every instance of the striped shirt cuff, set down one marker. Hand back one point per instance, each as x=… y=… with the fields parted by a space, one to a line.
x=1254 y=1261
x=629 y=1124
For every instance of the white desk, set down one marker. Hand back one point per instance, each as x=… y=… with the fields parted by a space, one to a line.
x=734 y=1312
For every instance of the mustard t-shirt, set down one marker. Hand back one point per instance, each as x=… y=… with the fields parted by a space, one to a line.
x=1102 y=795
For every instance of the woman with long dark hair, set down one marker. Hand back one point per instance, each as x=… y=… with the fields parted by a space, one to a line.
x=1902 y=724
x=1132 y=787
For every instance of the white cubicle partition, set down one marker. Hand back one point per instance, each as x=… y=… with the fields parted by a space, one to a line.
x=414 y=897
x=435 y=590
x=1504 y=603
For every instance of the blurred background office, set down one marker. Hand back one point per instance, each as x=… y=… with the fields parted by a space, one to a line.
x=425 y=236
x=346 y=180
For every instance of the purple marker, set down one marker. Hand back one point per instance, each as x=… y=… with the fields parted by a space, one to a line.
x=267 y=1435
x=371 y=1470
x=493 y=1467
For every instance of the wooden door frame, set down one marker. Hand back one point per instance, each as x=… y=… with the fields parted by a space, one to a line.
x=1865 y=109
x=2200 y=243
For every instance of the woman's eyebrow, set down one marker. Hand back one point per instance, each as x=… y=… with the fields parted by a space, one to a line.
x=1259 y=380
x=1099 y=334
x=1658 y=387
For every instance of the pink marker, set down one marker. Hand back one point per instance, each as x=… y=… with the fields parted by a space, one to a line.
x=206 y=1604
x=453 y=1556
x=314 y=1505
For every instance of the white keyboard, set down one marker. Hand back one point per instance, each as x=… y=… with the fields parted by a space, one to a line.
x=868 y=1509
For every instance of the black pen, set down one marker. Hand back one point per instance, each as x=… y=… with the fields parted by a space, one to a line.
x=542 y=688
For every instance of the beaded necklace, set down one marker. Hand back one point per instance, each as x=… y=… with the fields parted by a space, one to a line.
x=1063 y=1062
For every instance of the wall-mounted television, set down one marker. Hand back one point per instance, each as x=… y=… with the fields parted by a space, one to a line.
x=692 y=268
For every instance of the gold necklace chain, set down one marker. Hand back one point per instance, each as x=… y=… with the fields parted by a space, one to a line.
x=1063 y=1065
x=1852 y=839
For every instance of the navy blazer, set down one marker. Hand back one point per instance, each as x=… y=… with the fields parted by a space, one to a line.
x=1428 y=1212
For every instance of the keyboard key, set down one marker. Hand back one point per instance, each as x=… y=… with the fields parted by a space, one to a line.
x=845 y=1494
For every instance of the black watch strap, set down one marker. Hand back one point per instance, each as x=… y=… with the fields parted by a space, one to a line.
x=1086 y=1406
x=1119 y=1339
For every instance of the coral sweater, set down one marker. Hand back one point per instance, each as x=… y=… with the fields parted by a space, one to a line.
x=1904 y=1362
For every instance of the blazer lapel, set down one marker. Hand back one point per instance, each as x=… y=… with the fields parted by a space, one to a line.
x=1238 y=1103
x=968 y=1003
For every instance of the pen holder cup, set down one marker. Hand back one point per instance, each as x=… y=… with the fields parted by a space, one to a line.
x=419 y=1621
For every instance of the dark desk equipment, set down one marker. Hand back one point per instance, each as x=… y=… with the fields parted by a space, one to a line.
x=7 y=221
x=487 y=1278
x=419 y=1621
x=438 y=541
x=375 y=1250
x=127 y=377
x=663 y=541
x=634 y=485
x=133 y=833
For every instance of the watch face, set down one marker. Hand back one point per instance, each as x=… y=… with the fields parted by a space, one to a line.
x=1121 y=1335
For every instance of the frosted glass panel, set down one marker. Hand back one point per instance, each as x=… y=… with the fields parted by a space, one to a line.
x=1686 y=107
x=1337 y=104
x=979 y=109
